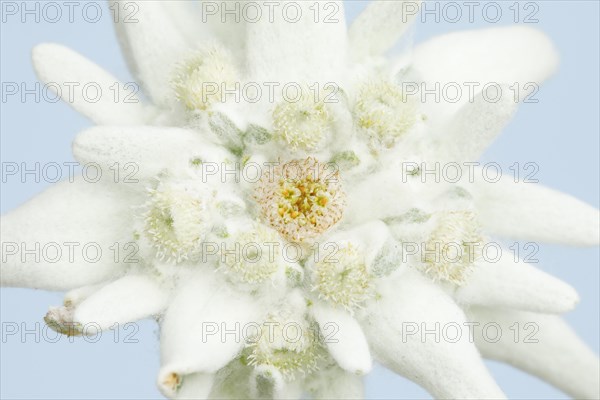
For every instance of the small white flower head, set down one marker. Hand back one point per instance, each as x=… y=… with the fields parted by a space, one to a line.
x=200 y=79
x=341 y=276
x=301 y=199
x=304 y=122
x=453 y=246
x=384 y=113
x=288 y=342
x=252 y=255
x=177 y=219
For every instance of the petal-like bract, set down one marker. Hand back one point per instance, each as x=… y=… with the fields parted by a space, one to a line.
x=63 y=238
x=447 y=366
x=547 y=347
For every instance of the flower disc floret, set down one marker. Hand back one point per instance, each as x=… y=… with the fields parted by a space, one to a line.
x=384 y=113
x=453 y=247
x=253 y=255
x=342 y=278
x=176 y=220
x=303 y=124
x=200 y=79
x=301 y=199
x=289 y=344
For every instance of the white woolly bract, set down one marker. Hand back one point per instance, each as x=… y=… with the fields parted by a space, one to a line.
x=344 y=339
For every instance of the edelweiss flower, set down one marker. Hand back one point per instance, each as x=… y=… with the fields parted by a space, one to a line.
x=239 y=316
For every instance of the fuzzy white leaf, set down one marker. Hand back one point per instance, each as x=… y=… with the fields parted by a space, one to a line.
x=369 y=237
x=503 y=55
x=128 y=299
x=229 y=31
x=390 y=192
x=547 y=348
x=68 y=230
x=395 y=324
x=189 y=18
x=475 y=126
x=143 y=151
x=518 y=285
x=88 y=88
x=348 y=345
x=301 y=50
x=380 y=26
x=77 y=295
x=533 y=212
x=152 y=43
x=193 y=337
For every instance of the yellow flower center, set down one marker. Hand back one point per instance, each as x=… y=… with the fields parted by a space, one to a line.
x=301 y=199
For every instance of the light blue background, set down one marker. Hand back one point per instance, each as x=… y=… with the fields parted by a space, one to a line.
x=560 y=133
